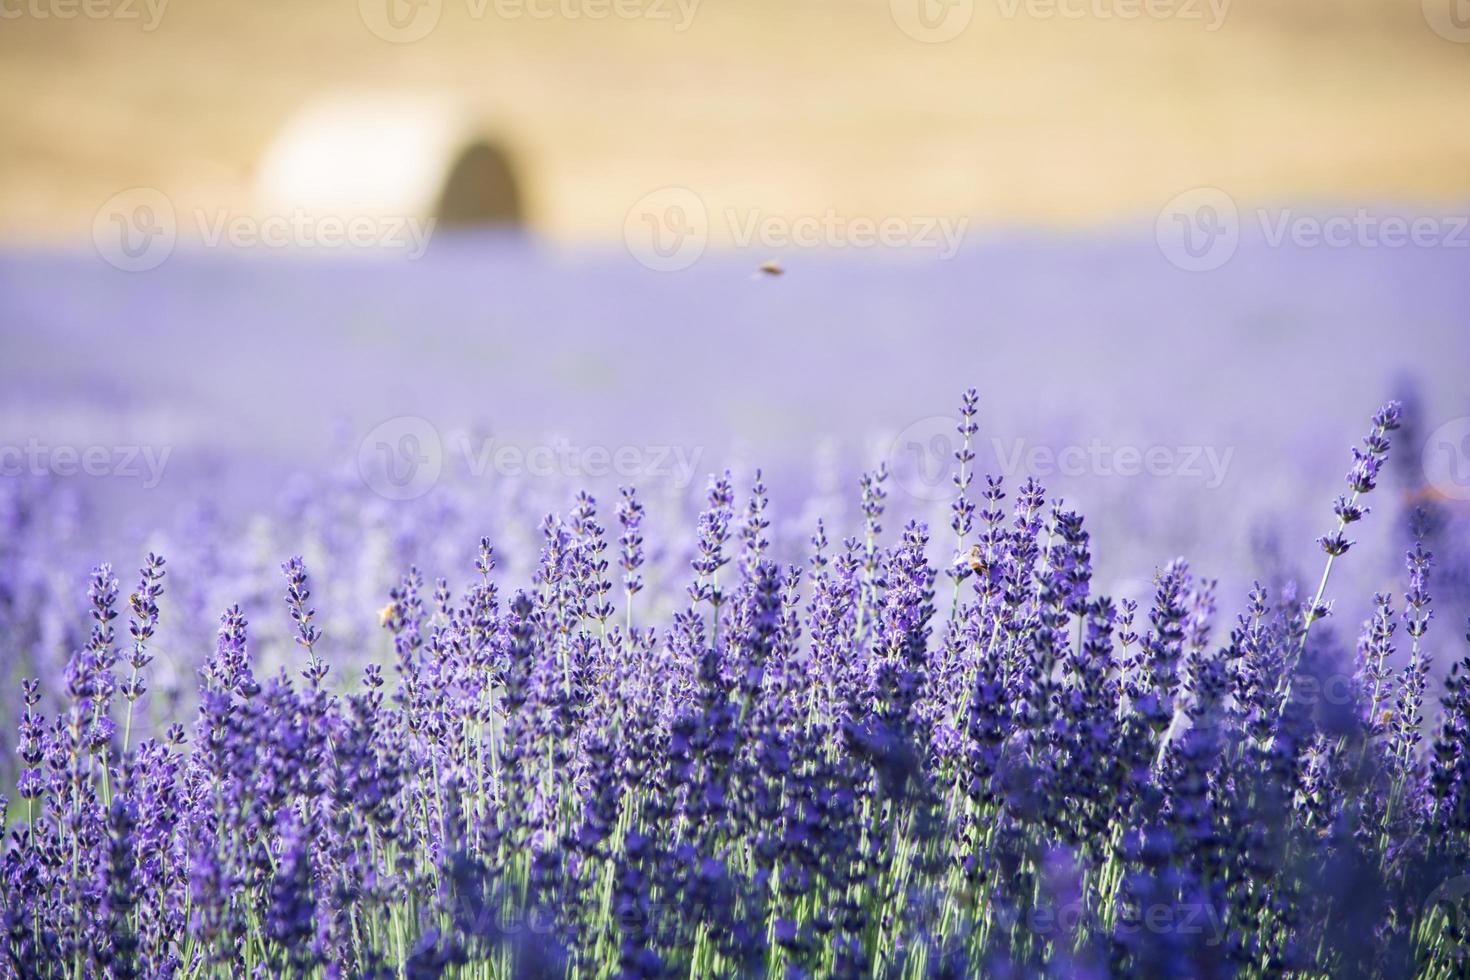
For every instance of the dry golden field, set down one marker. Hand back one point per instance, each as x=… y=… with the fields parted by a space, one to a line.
x=1042 y=112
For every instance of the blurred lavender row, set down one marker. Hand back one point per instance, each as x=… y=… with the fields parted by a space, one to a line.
x=246 y=385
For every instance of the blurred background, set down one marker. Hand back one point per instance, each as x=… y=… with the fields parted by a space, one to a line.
x=350 y=250
x=1055 y=113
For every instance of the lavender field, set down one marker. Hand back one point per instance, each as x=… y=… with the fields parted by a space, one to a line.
x=521 y=611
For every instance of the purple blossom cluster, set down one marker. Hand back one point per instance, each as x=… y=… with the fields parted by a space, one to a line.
x=859 y=761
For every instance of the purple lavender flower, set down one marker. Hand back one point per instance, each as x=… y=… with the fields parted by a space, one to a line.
x=801 y=769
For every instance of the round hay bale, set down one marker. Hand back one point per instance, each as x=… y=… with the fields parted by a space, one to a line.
x=390 y=158
x=480 y=189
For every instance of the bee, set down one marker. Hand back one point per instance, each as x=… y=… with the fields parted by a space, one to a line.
x=386 y=613
x=1385 y=717
x=771 y=267
x=977 y=562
